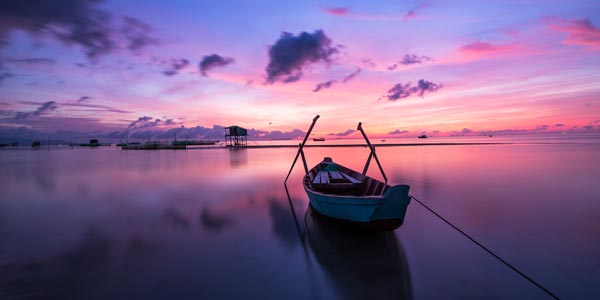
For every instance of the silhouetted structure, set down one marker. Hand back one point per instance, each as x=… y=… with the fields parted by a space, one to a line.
x=92 y=143
x=236 y=136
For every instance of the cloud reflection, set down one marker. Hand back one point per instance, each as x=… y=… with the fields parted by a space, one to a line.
x=214 y=222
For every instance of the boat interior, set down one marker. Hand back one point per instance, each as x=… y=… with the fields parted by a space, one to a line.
x=331 y=178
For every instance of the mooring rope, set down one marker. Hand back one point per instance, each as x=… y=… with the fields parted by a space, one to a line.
x=487 y=250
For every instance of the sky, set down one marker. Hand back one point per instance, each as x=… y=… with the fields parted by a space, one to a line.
x=89 y=68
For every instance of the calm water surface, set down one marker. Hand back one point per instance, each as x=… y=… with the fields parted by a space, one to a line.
x=216 y=224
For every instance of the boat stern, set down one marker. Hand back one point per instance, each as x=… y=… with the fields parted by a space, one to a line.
x=395 y=203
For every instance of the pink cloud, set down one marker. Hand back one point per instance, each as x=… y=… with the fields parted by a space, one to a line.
x=579 y=32
x=478 y=49
x=483 y=48
x=412 y=14
x=336 y=11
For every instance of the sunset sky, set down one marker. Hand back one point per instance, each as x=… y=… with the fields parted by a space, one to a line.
x=400 y=67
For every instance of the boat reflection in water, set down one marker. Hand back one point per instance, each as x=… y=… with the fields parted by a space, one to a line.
x=361 y=264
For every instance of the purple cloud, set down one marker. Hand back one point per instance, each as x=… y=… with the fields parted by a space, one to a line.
x=398 y=131
x=77 y=22
x=44 y=108
x=140 y=120
x=400 y=90
x=351 y=75
x=277 y=135
x=427 y=86
x=176 y=66
x=137 y=34
x=410 y=59
x=84 y=99
x=345 y=133
x=291 y=54
x=31 y=60
x=324 y=85
x=94 y=107
x=5 y=75
x=368 y=62
x=213 y=61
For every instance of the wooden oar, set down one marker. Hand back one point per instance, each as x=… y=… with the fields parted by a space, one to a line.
x=300 y=149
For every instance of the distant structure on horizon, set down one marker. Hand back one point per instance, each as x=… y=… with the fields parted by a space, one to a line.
x=236 y=136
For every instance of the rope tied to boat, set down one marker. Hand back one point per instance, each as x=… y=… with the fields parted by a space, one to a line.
x=487 y=250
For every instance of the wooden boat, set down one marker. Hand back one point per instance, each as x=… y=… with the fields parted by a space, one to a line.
x=319 y=139
x=343 y=194
x=422 y=136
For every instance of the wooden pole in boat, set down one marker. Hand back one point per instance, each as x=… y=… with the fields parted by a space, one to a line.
x=373 y=154
x=300 y=149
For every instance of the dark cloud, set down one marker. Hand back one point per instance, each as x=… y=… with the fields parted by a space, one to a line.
x=137 y=34
x=541 y=127
x=213 y=61
x=176 y=66
x=291 y=54
x=94 y=107
x=427 y=86
x=400 y=90
x=398 y=131
x=84 y=99
x=324 y=85
x=5 y=75
x=560 y=124
x=328 y=84
x=411 y=59
x=44 y=108
x=31 y=60
x=140 y=120
x=466 y=131
x=279 y=135
x=368 y=62
x=345 y=133
x=351 y=75
x=77 y=22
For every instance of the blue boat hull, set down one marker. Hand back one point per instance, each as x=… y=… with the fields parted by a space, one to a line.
x=385 y=212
